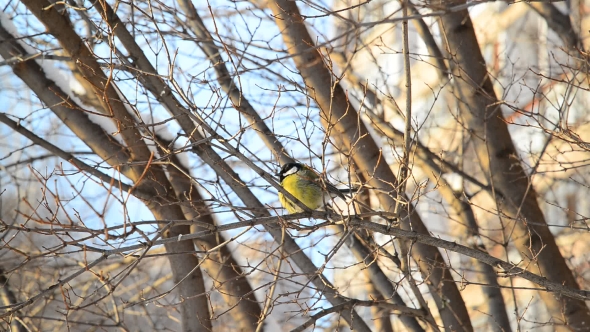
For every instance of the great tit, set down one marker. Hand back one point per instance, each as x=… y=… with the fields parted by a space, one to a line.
x=306 y=185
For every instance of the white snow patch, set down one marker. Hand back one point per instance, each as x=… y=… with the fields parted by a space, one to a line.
x=11 y=28
x=77 y=88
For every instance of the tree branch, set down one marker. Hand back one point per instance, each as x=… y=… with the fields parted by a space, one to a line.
x=342 y=121
x=558 y=22
x=195 y=309
x=496 y=152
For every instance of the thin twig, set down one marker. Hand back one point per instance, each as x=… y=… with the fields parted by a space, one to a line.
x=405 y=163
x=351 y=304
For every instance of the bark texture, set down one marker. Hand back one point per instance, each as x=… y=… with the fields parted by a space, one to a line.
x=516 y=197
x=338 y=115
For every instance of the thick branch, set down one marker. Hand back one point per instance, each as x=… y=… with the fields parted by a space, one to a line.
x=9 y=298
x=341 y=118
x=558 y=22
x=227 y=274
x=497 y=315
x=431 y=45
x=496 y=153
x=508 y=270
x=239 y=101
x=351 y=304
x=185 y=119
x=194 y=309
x=213 y=53
x=59 y=26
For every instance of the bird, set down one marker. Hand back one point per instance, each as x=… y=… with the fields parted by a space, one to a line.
x=306 y=185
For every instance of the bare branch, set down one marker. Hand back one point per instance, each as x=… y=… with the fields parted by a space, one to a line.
x=558 y=22
x=339 y=117
x=495 y=150
x=351 y=304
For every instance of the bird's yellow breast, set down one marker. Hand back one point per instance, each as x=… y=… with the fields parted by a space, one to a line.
x=305 y=191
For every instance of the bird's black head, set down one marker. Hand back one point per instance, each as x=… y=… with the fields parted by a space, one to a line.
x=288 y=169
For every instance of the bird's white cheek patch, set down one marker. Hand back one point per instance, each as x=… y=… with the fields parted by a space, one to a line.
x=290 y=171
